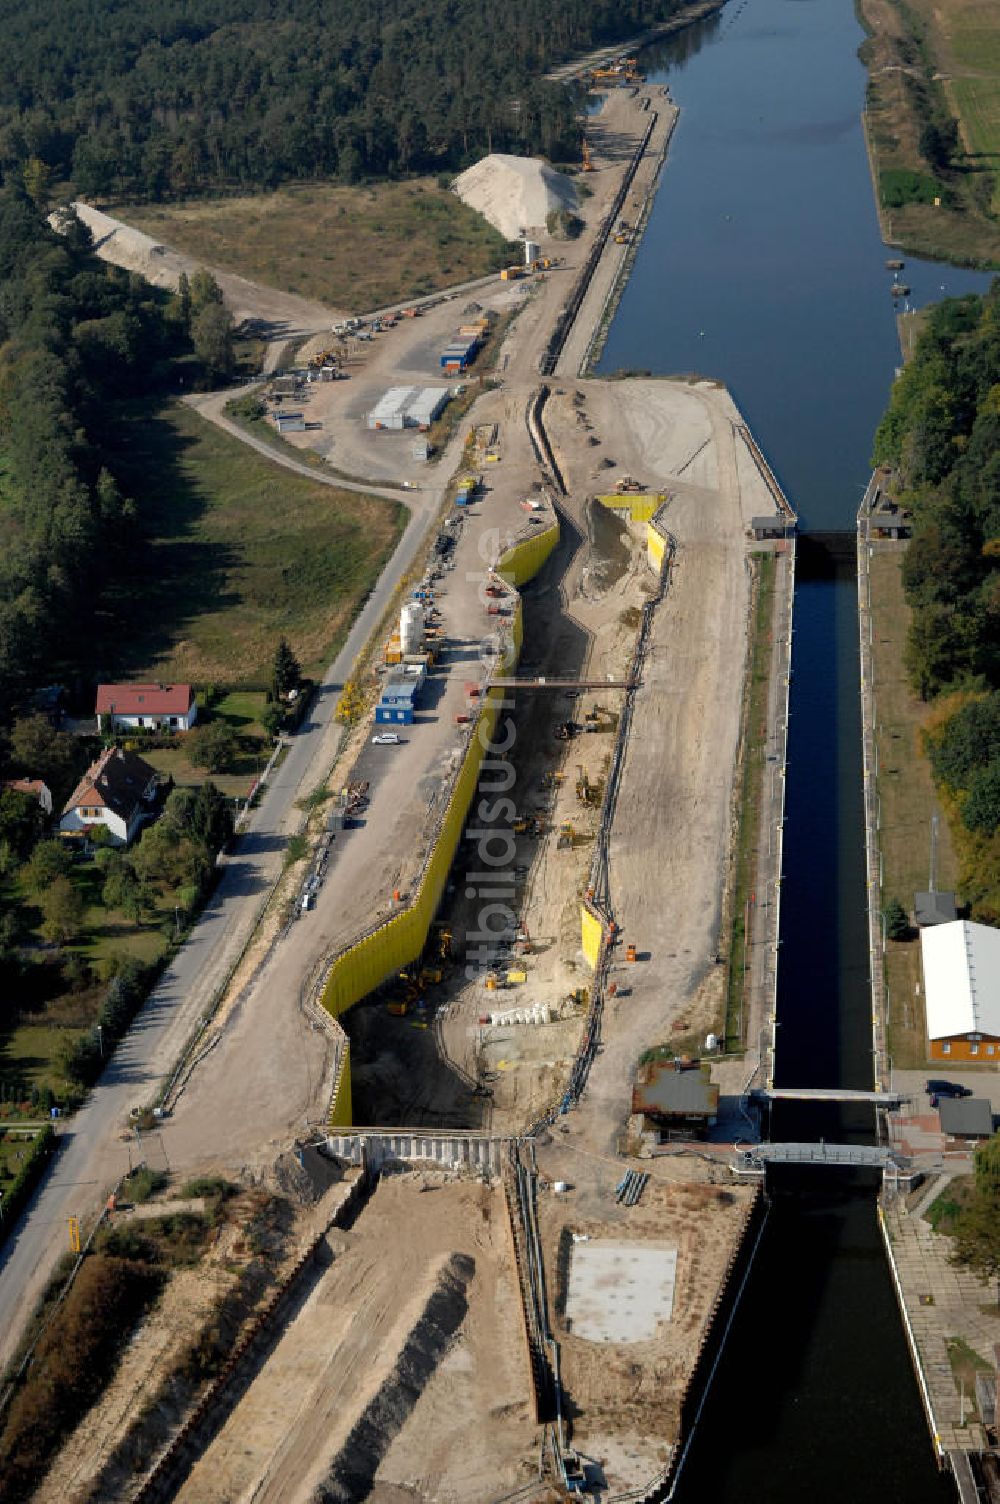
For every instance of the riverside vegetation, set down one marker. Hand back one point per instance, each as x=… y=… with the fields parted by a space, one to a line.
x=940 y=440
x=933 y=121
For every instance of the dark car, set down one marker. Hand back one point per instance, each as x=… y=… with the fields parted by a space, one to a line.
x=947 y=1089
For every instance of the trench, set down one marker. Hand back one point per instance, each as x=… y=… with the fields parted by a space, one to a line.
x=762 y=265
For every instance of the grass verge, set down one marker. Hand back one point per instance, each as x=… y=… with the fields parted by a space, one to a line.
x=239 y=553
x=352 y=248
x=930 y=62
x=751 y=798
x=907 y=800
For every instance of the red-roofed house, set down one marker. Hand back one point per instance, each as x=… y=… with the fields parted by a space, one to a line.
x=157 y=707
x=34 y=787
x=117 y=791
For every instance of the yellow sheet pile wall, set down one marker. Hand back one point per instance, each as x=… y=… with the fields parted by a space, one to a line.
x=341 y=1115
x=640 y=505
x=524 y=560
x=401 y=939
x=656 y=548
x=592 y=934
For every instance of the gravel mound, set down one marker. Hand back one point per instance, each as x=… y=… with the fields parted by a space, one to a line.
x=516 y=194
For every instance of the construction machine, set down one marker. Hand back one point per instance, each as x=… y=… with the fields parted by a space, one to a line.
x=588 y=165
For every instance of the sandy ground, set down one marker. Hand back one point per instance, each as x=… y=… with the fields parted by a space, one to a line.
x=624 y=1396
x=335 y=1361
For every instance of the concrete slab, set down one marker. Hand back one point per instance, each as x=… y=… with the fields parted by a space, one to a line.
x=620 y=1292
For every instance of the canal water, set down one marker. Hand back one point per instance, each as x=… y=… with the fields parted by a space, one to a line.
x=762 y=265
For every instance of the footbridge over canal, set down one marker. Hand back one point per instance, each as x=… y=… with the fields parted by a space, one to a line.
x=825 y=1094
x=754 y=1159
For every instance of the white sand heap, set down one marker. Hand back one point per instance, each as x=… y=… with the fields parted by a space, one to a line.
x=516 y=194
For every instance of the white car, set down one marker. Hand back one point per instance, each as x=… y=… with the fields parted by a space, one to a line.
x=384 y=739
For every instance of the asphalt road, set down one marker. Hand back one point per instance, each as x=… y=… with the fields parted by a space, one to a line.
x=96 y=1145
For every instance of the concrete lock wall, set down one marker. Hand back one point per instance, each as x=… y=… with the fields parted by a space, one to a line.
x=592 y=936
x=363 y=966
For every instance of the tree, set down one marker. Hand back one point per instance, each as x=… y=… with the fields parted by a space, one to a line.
x=286 y=674
x=22 y=821
x=897 y=922
x=212 y=337
x=37 y=178
x=62 y=907
x=981 y=810
x=271 y=718
x=40 y=751
x=214 y=747
x=50 y=861
x=977 y=1239
x=986 y=1161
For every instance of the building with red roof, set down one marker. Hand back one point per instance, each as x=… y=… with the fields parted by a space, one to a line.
x=153 y=707
x=117 y=791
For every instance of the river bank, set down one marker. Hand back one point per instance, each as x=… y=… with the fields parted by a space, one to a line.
x=931 y=68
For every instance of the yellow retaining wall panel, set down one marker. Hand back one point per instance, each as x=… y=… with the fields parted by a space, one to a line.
x=522 y=562
x=401 y=940
x=656 y=547
x=592 y=934
x=640 y=505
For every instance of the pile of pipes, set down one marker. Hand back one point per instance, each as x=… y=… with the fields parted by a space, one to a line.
x=628 y=1191
x=534 y=1013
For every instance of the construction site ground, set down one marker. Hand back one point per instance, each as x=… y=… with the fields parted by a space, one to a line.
x=623 y=1398
x=265 y=1080
x=671 y=837
x=404 y=1368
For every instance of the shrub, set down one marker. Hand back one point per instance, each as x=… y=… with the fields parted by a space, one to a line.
x=143 y=1183
x=26 y=1177
x=74 y=1359
x=897 y=921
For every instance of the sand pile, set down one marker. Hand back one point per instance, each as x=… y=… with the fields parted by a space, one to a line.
x=516 y=194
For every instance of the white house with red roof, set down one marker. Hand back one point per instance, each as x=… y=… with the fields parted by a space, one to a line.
x=151 y=707
x=118 y=791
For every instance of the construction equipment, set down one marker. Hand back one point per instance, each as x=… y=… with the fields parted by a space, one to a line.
x=444 y=945
x=567 y=836
x=565 y=731
x=588 y=165
x=628 y=484
x=586 y=792
x=600 y=719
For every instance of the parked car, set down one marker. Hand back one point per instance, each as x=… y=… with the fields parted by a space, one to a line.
x=385 y=739
x=946 y=1089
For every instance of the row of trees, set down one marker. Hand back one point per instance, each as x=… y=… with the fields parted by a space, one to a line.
x=167 y=97
x=76 y=338
x=941 y=439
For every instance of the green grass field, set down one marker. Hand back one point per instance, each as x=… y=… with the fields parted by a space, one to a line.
x=240 y=554
x=929 y=60
x=963 y=37
x=907 y=802
x=351 y=248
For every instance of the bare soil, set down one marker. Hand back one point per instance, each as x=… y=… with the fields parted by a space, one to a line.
x=412 y=1333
